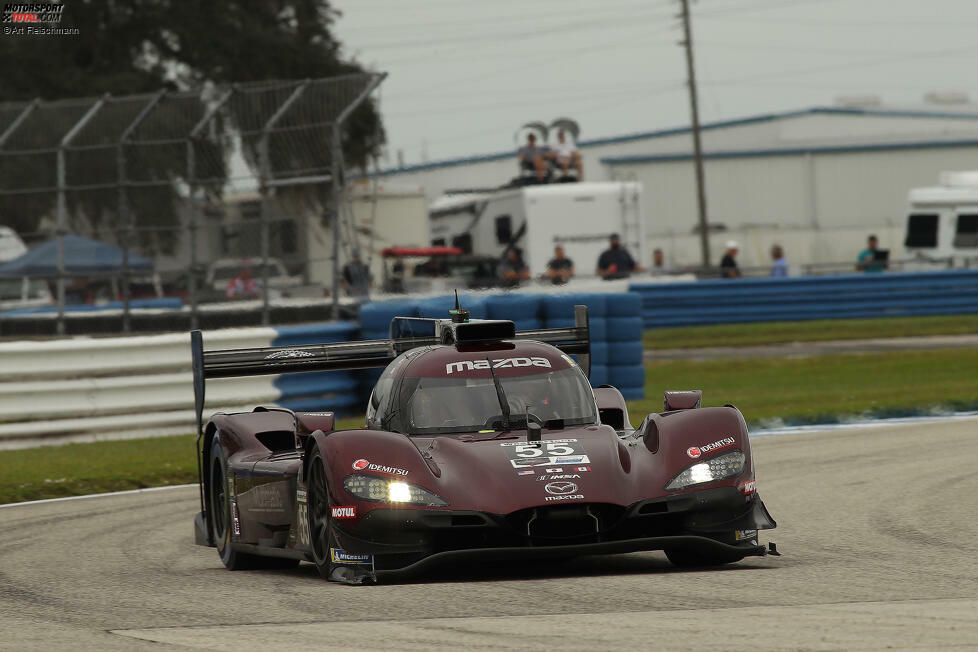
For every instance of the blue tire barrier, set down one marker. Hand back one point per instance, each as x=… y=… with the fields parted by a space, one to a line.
x=598 y=326
x=809 y=297
x=628 y=375
x=377 y=316
x=633 y=394
x=343 y=331
x=599 y=375
x=599 y=353
x=626 y=304
x=375 y=335
x=625 y=353
x=349 y=403
x=597 y=304
x=562 y=305
x=528 y=324
x=513 y=306
x=625 y=329
x=314 y=383
x=438 y=307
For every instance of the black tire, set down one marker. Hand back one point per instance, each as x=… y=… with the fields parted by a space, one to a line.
x=220 y=520
x=695 y=559
x=320 y=534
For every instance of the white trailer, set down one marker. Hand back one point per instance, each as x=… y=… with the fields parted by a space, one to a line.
x=943 y=219
x=536 y=218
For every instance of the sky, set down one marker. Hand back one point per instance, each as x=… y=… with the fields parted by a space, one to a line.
x=464 y=75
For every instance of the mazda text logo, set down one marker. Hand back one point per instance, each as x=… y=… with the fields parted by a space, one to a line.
x=560 y=488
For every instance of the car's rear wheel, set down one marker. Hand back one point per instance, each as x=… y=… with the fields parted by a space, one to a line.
x=221 y=520
x=320 y=535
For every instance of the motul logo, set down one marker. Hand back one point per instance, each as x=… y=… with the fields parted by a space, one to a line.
x=500 y=363
x=343 y=512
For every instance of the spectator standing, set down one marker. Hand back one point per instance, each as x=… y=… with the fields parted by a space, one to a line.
x=728 y=264
x=356 y=276
x=780 y=266
x=659 y=267
x=243 y=286
x=532 y=157
x=616 y=262
x=512 y=269
x=869 y=259
x=566 y=155
x=560 y=268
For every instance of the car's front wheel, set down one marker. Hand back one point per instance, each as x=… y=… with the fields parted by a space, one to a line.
x=320 y=536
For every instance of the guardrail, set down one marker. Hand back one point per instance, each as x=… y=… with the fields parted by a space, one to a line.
x=123 y=386
x=814 y=297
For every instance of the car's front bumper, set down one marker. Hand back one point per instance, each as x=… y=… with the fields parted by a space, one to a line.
x=408 y=538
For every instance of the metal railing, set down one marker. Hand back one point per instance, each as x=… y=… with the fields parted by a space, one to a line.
x=152 y=174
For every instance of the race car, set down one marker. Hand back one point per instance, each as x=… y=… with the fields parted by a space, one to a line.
x=480 y=443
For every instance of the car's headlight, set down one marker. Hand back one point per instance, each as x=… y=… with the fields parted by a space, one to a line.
x=380 y=490
x=718 y=468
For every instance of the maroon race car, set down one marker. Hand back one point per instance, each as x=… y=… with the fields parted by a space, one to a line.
x=480 y=443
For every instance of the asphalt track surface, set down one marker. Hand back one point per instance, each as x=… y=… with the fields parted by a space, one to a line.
x=877 y=527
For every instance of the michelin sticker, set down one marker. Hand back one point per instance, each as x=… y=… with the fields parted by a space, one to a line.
x=338 y=556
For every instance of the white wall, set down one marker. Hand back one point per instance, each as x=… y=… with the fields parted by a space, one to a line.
x=836 y=198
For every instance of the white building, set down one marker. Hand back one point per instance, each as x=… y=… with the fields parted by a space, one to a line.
x=817 y=181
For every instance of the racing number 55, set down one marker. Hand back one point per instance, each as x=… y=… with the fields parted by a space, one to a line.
x=553 y=449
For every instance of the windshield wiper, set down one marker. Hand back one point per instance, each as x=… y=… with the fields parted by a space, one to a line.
x=500 y=394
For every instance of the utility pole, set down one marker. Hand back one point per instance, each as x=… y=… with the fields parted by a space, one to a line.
x=694 y=111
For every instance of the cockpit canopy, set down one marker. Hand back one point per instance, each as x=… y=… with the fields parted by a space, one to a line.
x=443 y=390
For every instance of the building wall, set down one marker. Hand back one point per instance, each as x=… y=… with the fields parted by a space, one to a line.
x=824 y=204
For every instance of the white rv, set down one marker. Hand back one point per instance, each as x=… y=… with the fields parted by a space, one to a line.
x=943 y=220
x=536 y=218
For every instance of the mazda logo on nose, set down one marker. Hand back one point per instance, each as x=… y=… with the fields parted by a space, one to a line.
x=561 y=488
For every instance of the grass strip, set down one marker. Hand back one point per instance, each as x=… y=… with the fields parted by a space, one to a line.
x=823 y=389
x=790 y=390
x=777 y=332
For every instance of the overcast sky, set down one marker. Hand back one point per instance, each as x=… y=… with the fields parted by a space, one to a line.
x=465 y=74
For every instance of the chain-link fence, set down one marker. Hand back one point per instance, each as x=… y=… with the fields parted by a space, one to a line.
x=189 y=200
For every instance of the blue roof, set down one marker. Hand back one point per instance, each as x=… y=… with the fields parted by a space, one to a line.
x=662 y=133
x=82 y=257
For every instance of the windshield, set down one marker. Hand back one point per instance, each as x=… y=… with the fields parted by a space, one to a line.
x=451 y=405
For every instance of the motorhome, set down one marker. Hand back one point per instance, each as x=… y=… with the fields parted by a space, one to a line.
x=943 y=220
x=536 y=218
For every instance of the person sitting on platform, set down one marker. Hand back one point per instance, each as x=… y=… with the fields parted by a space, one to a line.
x=533 y=158
x=566 y=155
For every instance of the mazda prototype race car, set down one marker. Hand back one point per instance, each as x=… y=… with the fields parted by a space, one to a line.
x=480 y=443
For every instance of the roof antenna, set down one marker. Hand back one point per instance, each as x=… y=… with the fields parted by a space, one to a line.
x=459 y=316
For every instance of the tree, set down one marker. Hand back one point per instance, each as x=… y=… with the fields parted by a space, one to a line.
x=126 y=47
